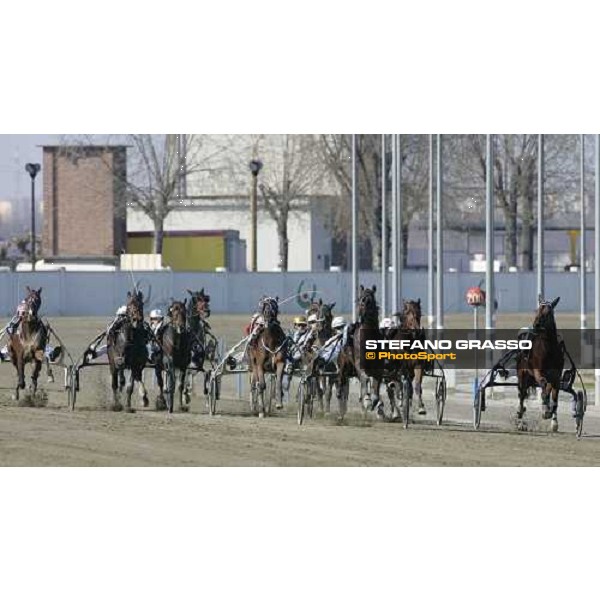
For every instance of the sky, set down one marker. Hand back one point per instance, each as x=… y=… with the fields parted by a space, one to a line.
x=15 y=152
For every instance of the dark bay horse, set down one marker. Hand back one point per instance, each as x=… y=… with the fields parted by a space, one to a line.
x=325 y=383
x=27 y=342
x=412 y=370
x=126 y=348
x=176 y=353
x=267 y=353
x=543 y=364
x=203 y=344
x=366 y=327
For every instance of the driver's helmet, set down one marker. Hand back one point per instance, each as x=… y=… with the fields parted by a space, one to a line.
x=300 y=321
x=338 y=323
x=156 y=315
x=386 y=323
x=121 y=311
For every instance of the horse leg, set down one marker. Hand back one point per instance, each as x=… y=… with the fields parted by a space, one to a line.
x=37 y=367
x=20 y=367
x=115 y=376
x=261 y=385
x=170 y=374
x=554 y=406
x=49 y=373
x=543 y=383
x=364 y=396
x=129 y=390
x=328 y=387
x=143 y=392
x=418 y=389
x=376 y=400
x=391 y=388
x=343 y=393
x=278 y=384
x=183 y=407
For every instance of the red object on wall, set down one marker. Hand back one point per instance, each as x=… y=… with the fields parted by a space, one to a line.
x=475 y=296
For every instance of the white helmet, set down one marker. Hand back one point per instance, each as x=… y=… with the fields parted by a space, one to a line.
x=156 y=314
x=122 y=310
x=312 y=318
x=385 y=323
x=338 y=323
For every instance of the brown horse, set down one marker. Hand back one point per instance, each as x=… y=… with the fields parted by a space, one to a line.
x=126 y=349
x=176 y=354
x=203 y=344
x=543 y=364
x=325 y=383
x=27 y=342
x=412 y=369
x=367 y=327
x=267 y=353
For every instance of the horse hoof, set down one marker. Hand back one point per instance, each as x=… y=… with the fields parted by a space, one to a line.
x=261 y=415
x=422 y=410
x=279 y=406
x=554 y=426
x=184 y=408
x=546 y=414
x=130 y=409
x=50 y=379
x=117 y=407
x=145 y=402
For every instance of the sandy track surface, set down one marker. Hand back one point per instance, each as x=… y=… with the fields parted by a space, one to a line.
x=94 y=436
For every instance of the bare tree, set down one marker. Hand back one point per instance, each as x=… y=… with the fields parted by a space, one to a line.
x=336 y=150
x=515 y=182
x=292 y=176
x=157 y=168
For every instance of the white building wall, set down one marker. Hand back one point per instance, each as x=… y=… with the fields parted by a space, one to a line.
x=219 y=215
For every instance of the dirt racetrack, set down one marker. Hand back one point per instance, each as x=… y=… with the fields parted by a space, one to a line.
x=94 y=436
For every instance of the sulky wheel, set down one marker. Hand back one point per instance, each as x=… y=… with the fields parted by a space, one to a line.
x=477 y=405
x=212 y=396
x=407 y=394
x=579 y=413
x=301 y=401
x=440 y=399
x=72 y=386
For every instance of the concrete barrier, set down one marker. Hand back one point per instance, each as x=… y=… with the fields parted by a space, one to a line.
x=99 y=293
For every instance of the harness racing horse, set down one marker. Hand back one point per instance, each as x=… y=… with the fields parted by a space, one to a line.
x=176 y=354
x=27 y=342
x=367 y=327
x=325 y=383
x=267 y=353
x=126 y=349
x=203 y=344
x=542 y=365
x=412 y=370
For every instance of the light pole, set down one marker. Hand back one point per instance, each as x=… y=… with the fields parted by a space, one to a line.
x=255 y=167
x=33 y=169
x=355 y=258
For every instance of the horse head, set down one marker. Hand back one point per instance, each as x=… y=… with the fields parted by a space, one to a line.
x=177 y=314
x=135 y=308
x=368 y=311
x=200 y=304
x=325 y=316
x=269 y=308
x=544 y=316
x=411 y=314
x=32 y=303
